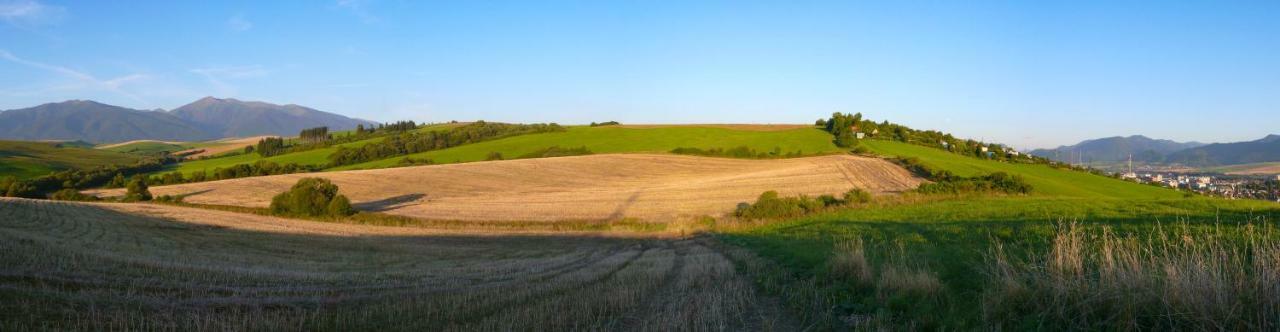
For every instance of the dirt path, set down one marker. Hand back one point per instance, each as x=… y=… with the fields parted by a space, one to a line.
x=139 y=266
x=653 y=187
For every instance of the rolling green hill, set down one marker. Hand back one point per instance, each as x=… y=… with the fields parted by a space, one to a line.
x=627 y=140
x=25 y=160
x=1047 y=181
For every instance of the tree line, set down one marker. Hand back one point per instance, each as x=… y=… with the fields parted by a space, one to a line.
x=414 y=142
x=76 y=179
x=315 y=135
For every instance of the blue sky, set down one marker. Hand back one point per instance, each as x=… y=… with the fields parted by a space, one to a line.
x=1030 y=74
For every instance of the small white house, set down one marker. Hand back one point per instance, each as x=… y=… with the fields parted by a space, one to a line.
x=860 y=135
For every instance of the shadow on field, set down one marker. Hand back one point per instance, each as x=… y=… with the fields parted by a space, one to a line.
x=389 y=202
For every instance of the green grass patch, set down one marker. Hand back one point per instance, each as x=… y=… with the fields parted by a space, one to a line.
x=953 y=237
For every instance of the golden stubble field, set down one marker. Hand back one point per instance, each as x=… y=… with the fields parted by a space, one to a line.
x=141 y=266
x=651 y=187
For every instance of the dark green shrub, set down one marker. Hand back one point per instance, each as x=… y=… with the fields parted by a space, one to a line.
x=857 y=196
x=311 y=197
x=340 y=206
x=556 y=151
x=846 y=140
x=998 y=182
x=71 y=195
x=770 y=206
x=493 y=156
x=137 y=191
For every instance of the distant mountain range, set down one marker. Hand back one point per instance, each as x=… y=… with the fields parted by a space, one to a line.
x=1116 y=149
x=207 y=118
x=1159 y=151
x=1266 y=149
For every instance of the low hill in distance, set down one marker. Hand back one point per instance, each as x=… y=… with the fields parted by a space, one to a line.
x=25 y=160
x=204 y=119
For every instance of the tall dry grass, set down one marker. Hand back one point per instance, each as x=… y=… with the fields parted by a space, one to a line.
x=1169 y=279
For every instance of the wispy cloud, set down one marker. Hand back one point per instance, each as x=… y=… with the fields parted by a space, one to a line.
x=30 y=13
x=238 y=23
x=81 y=80
x=221 y=77
x=359 y=8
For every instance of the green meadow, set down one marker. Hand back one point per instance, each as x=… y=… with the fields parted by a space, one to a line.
x=610 y=139
x=929 y=262
x=25 y=160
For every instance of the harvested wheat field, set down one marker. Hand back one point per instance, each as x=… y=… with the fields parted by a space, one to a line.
x=598 y=187
x=151 y=267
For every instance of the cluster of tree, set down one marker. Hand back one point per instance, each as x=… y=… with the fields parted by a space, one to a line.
x=606 y=123
x=98 y=176
x=269 y=146
x=555 y=151
x=415 y=142
x=770 y=206
x=845 y=127
x=738 y=152
x=398 y=126
x=312 y=197
x=315 y=135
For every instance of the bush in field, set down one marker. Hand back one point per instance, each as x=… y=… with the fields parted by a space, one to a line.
x=312 y=197
x=71 y=195
x=137 y=191
x=493 y=156
x=770 y=206
x=998 y=182
x=857 y=196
